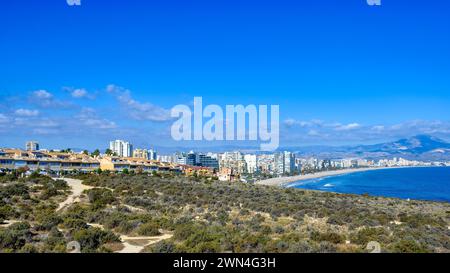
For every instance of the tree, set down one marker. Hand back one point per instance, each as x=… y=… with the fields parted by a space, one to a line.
x=109 y=152
x=96 y=153
x=86 y=152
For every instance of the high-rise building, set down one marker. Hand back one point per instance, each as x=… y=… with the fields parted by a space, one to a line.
x=32 y=146
x=279 y=163
x=208 y=161
x=252 y=163
x=152 y=154
x=284 y=163
x=121 y=148
x=289 y=162
x=191 y=159
x=195 y=159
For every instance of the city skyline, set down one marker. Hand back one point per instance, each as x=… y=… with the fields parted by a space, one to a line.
x=378 y=74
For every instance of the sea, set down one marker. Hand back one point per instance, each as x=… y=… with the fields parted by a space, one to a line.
x=421 y=183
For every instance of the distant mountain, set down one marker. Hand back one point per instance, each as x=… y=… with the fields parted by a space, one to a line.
x=415 y=145
x=420 y=147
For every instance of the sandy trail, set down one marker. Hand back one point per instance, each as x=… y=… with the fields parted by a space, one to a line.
x=8 y=223
x=129 y=246
x=132 y=248
x=129 y=242
x=77 y=189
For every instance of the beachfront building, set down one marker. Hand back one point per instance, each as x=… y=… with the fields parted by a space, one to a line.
x=284 y=163
x=289 y=162
x=121 y=148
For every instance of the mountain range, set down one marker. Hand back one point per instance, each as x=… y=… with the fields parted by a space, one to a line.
x=420 y=147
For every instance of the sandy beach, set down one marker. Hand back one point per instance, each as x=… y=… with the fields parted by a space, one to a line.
x=282 y=181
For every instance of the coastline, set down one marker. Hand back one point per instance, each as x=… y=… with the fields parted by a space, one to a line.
x=283 y=181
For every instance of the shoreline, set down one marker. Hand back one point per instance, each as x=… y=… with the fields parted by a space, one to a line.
x=283 y=181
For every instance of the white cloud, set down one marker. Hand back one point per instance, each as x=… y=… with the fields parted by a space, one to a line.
x=378 y=128
x=42 y=94
x=100 y=123
x=44 y=131
x=301 y=123
x=138 y=110
x=79 y=93
x=46 y=99
x=351 y=126
x=26 y=113
x=89 y=118
x=313 y=133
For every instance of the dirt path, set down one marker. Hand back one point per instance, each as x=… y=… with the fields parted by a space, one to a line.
x=131 y=244
x=77 y=189
x=8 y=223
x=133 y=247
x=138 y=243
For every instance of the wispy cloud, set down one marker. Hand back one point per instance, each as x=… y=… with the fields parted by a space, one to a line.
x=79 y=93
x=138 y=110
x=3 y=118
x=26 y=112
x=45 y=99
x=347 y=127
x=89 y=118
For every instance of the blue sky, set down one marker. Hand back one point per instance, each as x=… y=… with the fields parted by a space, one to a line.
x=342 y=72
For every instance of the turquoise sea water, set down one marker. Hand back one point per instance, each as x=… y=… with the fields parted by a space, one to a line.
x=415 y=183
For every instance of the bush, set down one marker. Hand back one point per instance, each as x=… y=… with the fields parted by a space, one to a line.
x=409 y=246
x=327 y=237
x=15 y=236
x=163 y=247
x=91 y=239
x=148 y=229
x=367 y=235
x=100 y=197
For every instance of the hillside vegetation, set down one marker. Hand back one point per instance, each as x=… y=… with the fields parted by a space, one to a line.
x=213 y=216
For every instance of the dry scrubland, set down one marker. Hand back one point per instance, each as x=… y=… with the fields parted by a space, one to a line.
x=198 y=215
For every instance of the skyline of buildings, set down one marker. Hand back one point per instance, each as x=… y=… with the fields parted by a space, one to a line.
x=227 y=166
